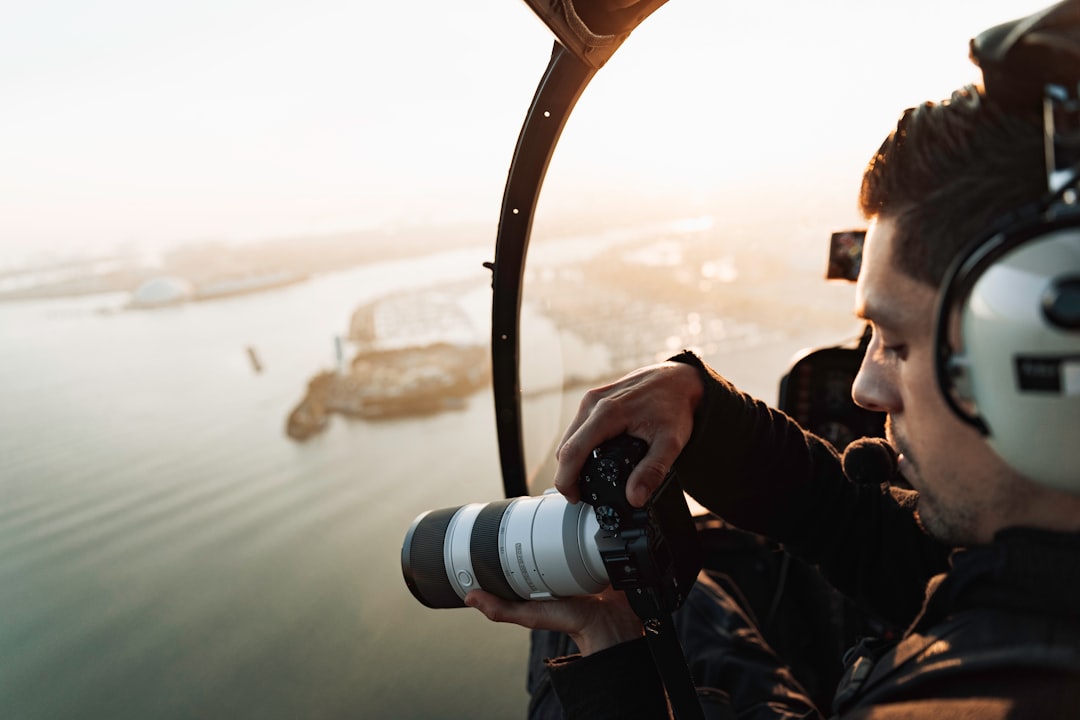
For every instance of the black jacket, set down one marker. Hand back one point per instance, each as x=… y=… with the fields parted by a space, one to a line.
x=993 y=631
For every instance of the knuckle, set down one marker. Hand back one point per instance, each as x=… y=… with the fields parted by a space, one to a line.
x=607 y=403
x=592 y=398
x=568 y=450
x=495 y=611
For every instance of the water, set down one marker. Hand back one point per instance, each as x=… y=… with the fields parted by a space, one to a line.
x=166 y=551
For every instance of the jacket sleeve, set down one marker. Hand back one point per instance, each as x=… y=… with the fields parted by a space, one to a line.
x=619 y=682
x=759 y=470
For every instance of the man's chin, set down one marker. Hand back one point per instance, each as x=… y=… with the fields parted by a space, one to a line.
x=932 y=525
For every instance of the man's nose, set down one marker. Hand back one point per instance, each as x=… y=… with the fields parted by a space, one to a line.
x=874 y=387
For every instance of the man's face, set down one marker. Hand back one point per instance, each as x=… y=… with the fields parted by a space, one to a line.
x=966 y=491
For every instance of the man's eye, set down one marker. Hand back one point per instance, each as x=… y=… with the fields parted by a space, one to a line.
x=890 y=350
x=898 y=352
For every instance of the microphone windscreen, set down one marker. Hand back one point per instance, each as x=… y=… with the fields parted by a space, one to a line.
x=870 y=460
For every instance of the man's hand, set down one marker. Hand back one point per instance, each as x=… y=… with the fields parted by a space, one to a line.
x=655 y=404
x=594 y=622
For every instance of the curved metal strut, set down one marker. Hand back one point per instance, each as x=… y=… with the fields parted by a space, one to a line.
x=560 y=87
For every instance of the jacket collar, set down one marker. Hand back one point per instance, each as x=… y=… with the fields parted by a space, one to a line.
x=1023 y=569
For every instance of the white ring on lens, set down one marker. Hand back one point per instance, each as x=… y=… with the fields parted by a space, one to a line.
x=515 y=548
x=547 y=548
x=564 y=548
x=456 y=551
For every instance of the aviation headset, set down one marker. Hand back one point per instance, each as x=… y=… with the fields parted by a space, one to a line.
x=1012 y=298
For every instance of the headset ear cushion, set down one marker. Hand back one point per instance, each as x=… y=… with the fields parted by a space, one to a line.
x=953 y=369
x=1024 y=369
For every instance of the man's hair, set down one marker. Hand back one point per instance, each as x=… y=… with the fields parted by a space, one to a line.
x=947 y=174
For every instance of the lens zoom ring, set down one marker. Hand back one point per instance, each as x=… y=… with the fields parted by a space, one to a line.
x=425 y=570
x=484 y=550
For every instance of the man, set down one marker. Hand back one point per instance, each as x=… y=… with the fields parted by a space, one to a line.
x=980 y=563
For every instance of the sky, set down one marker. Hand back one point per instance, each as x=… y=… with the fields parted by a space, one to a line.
x=127 y=123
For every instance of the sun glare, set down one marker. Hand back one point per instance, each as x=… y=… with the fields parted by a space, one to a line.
x=174 y=124
x=714 y=96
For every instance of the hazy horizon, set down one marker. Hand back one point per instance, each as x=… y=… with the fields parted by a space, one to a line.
x=151 y=126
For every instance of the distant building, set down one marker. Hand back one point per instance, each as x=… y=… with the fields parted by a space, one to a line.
x=167 y=290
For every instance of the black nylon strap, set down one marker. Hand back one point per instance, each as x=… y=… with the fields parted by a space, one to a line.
x=667 y=655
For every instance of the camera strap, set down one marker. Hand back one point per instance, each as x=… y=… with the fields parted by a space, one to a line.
x=667 y=654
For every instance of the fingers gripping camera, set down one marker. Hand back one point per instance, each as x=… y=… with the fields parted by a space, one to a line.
x=654 y=548
x=534 y=548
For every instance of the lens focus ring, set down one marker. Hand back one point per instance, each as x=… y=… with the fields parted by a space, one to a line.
x=485 y=553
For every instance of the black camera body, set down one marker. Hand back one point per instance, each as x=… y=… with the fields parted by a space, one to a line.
x=653 y=552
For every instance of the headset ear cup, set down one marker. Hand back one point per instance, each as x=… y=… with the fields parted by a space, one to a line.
x=1020 y=368
x=953 y=369
x=958 y=370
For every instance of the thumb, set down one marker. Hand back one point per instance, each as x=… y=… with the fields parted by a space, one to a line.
x=646 y=478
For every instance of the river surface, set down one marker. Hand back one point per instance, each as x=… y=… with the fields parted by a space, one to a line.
x=167 y=552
